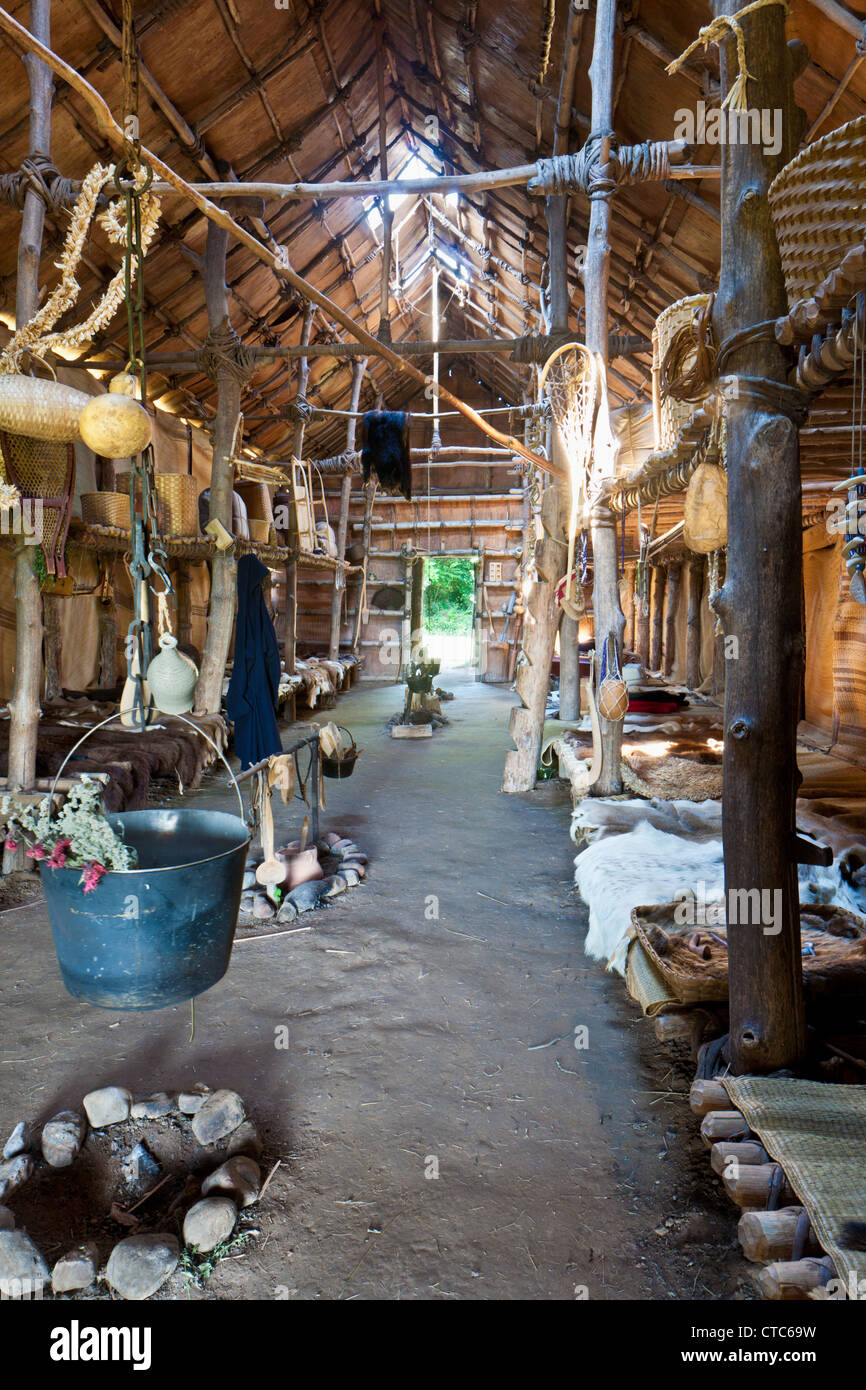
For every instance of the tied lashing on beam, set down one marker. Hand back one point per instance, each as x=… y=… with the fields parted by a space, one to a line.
x=589 y=172
x=38 y=174
x=223 y=351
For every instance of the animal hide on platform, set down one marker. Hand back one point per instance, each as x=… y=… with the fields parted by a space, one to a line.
x=132 y=759
x=640 y=853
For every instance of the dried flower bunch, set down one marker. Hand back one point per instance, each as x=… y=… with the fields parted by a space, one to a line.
x=78 y=837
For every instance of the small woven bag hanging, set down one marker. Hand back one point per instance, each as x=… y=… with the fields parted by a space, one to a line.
x=612 y=689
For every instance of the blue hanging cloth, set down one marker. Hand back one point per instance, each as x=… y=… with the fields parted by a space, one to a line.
x=251 y=702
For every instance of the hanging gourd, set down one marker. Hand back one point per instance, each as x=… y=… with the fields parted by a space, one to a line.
x=115 y=425
x=41 y=409
x=612 y=690
x=705 y=515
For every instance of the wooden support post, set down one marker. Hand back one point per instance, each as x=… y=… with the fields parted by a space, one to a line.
x=627 y=603
x=416 y=606
x=760 y=601
x=672 y=601
x=657 y=608
x=51 y=614
x=642 y=629
x=24 y=704
x=107 y=620
x=229 y=374
x=569 y=668
x=605 y=593
x=533 y=675
x=696 y=567
x=339 y=590
x=369 y=498
x=184 y=602
x=291 y=615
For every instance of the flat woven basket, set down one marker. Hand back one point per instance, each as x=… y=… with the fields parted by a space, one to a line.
x=673 y=415
x=818 y=205
x=709 y=981
x=106 y=509
x=178 y=504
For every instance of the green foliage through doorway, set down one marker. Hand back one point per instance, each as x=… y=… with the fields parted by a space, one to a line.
x=449 y=588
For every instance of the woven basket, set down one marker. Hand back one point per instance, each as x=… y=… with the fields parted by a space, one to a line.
x=106 y=509
x=818 y=205
x=260 y=530
x=257 y=499
x=45 y=469
x=672 y=415
x=178 y=504
x=41 y=409
x=711 y=985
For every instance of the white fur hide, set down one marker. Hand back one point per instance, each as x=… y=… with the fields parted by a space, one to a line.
x=641 y=853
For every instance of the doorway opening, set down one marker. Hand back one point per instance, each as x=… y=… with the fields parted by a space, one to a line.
x=448 y=609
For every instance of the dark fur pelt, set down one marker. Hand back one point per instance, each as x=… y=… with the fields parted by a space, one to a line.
x=386 y=450
x=132 y=760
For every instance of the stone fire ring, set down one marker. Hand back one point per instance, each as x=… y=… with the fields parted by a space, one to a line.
x=138 y=1264
x=343 y=866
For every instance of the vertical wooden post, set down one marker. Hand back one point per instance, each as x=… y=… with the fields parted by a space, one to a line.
x=24 y=705
x=672 y=600
x=107 y=620
x=696 y=567
x=628 y=638
x=291 y=625
x=557 y=227
x=338 y=594
x=184 y=602
x=605 y=593
x=51 y=611
x=642 y=629
x=533 y=673
x=369 y=498
x=416 y=606
x=657 y=608
x=228 y=377
x=760 y=601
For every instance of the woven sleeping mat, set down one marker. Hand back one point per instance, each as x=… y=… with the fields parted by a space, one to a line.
x=818 y=1134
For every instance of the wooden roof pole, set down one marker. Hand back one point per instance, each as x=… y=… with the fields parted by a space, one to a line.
x=275 y=260
x=24 y=705
x=608 y=615
x=483 y=181
x=760 y=600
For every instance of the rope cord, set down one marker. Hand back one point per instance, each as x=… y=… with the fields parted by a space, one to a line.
x=721 y=27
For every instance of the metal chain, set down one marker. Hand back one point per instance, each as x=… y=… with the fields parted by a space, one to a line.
x=133 y=177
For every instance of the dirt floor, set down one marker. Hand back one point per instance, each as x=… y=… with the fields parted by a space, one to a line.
x=426 y=1024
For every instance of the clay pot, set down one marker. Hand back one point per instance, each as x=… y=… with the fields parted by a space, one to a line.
x=304 y=866
x=172 y=677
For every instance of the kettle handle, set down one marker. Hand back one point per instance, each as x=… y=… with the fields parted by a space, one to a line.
x=110 y=720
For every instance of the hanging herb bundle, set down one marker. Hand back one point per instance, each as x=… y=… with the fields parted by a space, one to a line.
x=78 y=837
